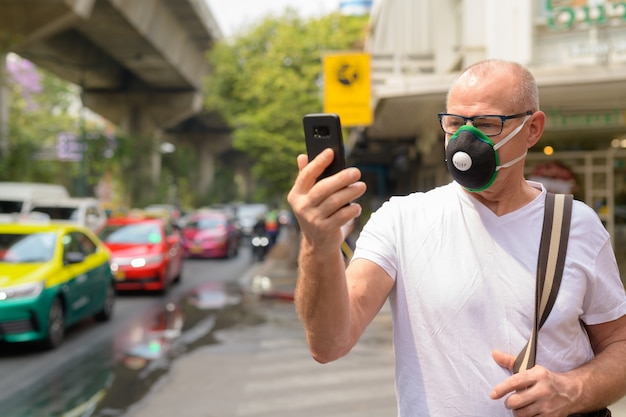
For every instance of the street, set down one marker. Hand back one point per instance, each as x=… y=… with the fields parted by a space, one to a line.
x=266 y=370
x=109 y=366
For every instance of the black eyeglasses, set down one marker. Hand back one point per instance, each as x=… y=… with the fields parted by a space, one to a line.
x=489 y=124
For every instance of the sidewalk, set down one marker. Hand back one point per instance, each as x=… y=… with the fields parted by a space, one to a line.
x=266 y=370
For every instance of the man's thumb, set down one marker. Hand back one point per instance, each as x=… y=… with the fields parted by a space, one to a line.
x=503 y=359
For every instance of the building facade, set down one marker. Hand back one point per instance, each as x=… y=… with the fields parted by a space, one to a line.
x=575 y=48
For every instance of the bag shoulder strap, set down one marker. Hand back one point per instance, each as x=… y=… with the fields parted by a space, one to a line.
x=550 y=264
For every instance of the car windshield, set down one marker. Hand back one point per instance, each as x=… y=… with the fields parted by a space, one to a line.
x=206 y=223
x=10 y=206
x=58 y=213
x=27 y=248
x=141 y=233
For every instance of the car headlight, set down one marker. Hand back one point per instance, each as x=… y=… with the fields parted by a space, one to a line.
x=145 y=260
x=137 y=262
x=21 y=291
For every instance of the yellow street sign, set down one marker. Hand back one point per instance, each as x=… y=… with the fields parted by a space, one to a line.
x=347 y=87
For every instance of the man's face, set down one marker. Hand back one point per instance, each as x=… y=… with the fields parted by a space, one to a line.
x=473 y=96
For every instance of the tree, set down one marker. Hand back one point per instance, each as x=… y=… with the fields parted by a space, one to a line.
x=265 y=80
x=39 y=108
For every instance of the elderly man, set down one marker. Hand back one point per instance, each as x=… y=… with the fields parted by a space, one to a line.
x=458 y=264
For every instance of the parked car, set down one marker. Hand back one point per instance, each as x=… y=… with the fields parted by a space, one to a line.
x=51 y=277
x=146 y=253
x=84 y=211
x=210 y=234
x=16 y=197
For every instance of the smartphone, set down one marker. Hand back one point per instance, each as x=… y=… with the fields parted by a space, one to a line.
x=321 y=131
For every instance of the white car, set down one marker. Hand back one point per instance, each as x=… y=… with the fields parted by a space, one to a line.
x=85 y=211
x=16 y=198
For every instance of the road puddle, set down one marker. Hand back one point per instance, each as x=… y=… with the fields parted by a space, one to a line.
x=107 y=381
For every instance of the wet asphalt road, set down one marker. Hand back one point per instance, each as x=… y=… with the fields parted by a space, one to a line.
x=104 y=368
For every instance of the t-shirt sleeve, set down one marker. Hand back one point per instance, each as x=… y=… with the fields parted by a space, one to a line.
x=605 y=300
x=376 y=242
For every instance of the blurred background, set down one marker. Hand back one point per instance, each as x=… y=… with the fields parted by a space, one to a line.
x=186 y=115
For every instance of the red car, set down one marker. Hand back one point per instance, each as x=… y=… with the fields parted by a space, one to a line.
x=210 y=234
x=146 y=253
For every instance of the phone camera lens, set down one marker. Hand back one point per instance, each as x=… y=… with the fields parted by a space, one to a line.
x=321 y=131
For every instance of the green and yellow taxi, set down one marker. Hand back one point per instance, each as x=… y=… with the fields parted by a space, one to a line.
x=51 y=277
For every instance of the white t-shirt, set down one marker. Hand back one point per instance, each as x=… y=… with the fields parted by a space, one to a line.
x=465 y=285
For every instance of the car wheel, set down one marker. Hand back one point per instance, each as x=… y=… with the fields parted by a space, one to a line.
x=56 y=325
x=107 y=308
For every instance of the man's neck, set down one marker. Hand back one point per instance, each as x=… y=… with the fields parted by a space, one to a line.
x=507 y=200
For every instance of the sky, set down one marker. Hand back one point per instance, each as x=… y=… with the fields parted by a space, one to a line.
x=234 y=15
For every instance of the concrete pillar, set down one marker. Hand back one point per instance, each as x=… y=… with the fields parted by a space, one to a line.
x=206 y=169
x=156 y=157
x=208 y=147
x=139 y=125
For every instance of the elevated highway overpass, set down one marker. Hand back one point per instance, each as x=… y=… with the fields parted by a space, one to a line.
x=140 y=64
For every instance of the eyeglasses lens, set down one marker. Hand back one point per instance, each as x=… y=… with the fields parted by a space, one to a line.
x=490 y=126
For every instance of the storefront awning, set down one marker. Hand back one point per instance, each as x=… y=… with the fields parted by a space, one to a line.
x=578 y=101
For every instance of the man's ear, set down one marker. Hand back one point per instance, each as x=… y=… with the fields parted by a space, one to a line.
x=536 y=124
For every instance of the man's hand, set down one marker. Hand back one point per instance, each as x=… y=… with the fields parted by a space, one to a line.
x=322 y=296
x=323 y=207
x=535 y=392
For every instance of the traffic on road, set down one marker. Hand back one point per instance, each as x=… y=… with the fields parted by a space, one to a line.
x=103 y=370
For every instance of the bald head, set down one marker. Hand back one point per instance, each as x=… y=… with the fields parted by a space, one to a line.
x=517 y=85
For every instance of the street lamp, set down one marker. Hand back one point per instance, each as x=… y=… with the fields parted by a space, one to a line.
x=167 y=147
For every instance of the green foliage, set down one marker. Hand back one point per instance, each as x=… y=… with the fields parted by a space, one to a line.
x=179 y=172
x=265 y=80
x=34 y=123
x=131 y=157
x=42 y=106
x=222 y=189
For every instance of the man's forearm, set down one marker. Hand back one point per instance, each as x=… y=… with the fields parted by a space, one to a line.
x=322 y=302
x=603 y=378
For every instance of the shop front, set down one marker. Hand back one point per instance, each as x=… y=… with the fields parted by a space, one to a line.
x=575 y=48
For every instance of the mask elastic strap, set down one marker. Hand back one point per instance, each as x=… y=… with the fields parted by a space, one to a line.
x=511 y=135
x=513 y=162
